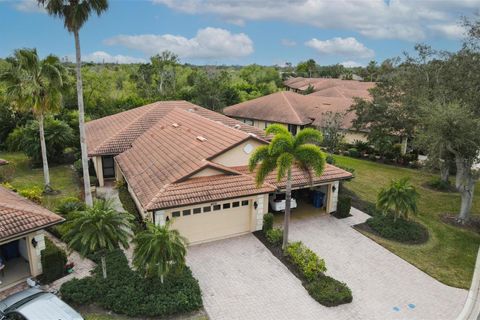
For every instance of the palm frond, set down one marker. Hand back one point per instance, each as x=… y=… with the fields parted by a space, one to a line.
x=276 y=129
x=281 y=143
x=308 y=135
x=311 y=156
x=284 y=163
x=257 y=156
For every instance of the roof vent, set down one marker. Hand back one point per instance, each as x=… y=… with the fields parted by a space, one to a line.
x=237 y=126
x=252 y=134
x=190 y=110
x=175 y=125
x=202 y=139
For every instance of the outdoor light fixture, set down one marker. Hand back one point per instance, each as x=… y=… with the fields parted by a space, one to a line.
x=34 y=242
x=334 y=188
x=255 y=204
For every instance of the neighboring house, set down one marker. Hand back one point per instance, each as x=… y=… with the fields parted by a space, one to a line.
x=353 y=88
x=21 y=237
x=296 y=111
x=186 y=164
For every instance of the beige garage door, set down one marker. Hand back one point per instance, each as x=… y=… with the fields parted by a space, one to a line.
x=216 y=221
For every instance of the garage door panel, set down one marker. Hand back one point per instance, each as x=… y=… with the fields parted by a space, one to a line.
x=213 y=225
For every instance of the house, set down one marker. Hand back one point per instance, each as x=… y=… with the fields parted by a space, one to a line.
x=188 y=165
x=353 y=88
x=296 y=111
x=21 y=237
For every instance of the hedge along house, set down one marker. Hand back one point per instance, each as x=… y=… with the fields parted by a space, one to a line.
x=189 y=166
x=21 y=237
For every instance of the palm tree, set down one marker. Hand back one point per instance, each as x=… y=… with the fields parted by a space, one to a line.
x=283 y=152
x=74 y=14
x=99 y=228
x=34 y=84
x=399 y=196
x=158 y=250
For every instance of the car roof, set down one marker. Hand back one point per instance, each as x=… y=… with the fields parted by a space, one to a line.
x=17 y=297
x=48 y=306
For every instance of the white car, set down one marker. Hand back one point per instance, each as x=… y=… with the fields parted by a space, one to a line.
x=277 y=202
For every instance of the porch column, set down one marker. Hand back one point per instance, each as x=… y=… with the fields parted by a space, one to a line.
x=333 y=197
x=259 y=212
x=34 y=253
x=99 y=170
x=160 y=218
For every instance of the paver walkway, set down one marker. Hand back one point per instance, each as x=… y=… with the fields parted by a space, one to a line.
x=241 y=279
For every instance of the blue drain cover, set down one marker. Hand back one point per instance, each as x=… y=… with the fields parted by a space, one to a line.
x=411 y=306
x=396 y=309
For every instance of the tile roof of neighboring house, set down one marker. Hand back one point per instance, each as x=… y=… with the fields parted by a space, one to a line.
x=19 y=216
x=171 y=150
x=292 y=108
x=114 y=134
x=302 y=178
x=350 y=87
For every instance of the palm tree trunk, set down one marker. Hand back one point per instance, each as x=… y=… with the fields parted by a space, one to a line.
x=104 y=267
x=43 y=147
x=288 y=200
x=81 y=122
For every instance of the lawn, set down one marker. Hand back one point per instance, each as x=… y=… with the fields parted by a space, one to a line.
x=62 y=178
x=450 y=253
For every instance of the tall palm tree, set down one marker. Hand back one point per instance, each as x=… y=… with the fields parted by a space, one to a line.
x=99 y=228
x=158 y=250
x=74 y=14
x=400 y=196
x=284 y=152
x=35 y=84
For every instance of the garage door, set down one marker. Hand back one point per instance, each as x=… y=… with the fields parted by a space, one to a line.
x=213 y=221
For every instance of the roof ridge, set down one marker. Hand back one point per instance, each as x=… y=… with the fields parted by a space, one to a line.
x=291 y=107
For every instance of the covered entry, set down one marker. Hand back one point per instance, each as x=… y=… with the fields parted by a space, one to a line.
x=14 y=262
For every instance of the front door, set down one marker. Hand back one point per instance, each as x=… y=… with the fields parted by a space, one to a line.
x=108 y=166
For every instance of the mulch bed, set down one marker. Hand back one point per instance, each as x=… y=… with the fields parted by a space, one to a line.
x=366 y=228
x=472 y=225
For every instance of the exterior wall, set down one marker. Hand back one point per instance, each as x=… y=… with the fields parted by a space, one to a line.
x=333 y=197
x=214 y=225
x=34 y=254
x=207 y=172
x=237 y=156
x=352 y=136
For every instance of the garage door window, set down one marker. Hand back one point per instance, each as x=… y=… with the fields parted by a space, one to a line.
x=235 y=204
x=176 y=214
x=186 y=212
x=207 y=209
x=226 y=206
x=197 y=210
x=245 y=203
x=217 y=207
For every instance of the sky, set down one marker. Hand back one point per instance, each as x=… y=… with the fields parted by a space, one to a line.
x=268 y=32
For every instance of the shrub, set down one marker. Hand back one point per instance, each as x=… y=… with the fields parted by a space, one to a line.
x=8 y=186
x=34 y=194
x=440 y=185
x=274 y=236
x=126 y=292
x=130 y=206
x=307 y=262
x=343 y=207
x=69 y=205
x=267 y=222
x=93 y=181
x=7 y=172
x=401 y=230
x=348 y=169
x=330 y=159
x=77 y=165
x=353 y=152
x=329 y=292
x=53 y=262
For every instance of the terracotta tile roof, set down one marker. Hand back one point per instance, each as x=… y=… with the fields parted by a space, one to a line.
x=19 y=216
x=319 y=84
x=208 y=189
x=171 y=150
x=292 y=108
x=302 y=178
x=115 y=134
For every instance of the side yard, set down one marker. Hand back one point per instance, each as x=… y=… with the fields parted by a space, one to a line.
x=450 y=253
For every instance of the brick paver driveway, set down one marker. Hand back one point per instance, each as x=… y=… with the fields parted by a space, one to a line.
x=241 y=279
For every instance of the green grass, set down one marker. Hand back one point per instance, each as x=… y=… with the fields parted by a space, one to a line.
x=450 y=253
x=62 y=178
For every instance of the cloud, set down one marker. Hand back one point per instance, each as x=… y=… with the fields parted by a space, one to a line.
x=393 y=19
x=208 y=43
x=348 y=47
x=104 y=57
x=28 y=6
x=351 y=64
x=288 y=43
x=451 y=31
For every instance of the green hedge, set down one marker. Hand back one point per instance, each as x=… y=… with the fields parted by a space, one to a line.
x=343 y=207
x=130 y=206
x=274 y=236
x=401 y=230
x=53 y=262
x=329 y=292
x=307 y=261
x=267 y=222
x=126 y=292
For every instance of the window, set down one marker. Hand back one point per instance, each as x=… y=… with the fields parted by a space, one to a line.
x=207 y=209
x=266 y=124
x=176 y=214
x=226 y=206
x=235 y=204
x=248 y=121
x=197 y=210
x=217 y=207
x=186 y=212
x=245 y=203
x=292 y=129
